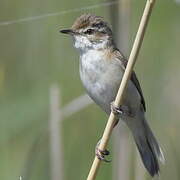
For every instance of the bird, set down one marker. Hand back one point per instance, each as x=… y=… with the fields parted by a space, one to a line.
x=101 y=67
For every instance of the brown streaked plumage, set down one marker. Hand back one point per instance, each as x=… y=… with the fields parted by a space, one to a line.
x=134 y=78
x=100 y=27
x=102 y=67
x=112 y=54
x=86 y=20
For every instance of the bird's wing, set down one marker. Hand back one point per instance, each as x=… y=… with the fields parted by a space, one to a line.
x=133 y=76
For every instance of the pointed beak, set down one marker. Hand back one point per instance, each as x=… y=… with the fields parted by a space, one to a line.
x=67 y=31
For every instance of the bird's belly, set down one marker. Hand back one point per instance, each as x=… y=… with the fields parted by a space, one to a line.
x=102 y=79
x=102 y=94
x=102 y=88
x=104 y=91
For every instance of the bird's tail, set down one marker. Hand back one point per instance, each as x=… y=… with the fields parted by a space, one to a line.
x=148 y=147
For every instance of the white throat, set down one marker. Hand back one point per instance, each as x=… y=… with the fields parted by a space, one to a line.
x=83 y=44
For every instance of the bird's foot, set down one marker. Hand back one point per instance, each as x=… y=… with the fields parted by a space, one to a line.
x=101 y=153
x=122 y=110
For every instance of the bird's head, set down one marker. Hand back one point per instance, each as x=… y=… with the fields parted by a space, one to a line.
x=90 y=32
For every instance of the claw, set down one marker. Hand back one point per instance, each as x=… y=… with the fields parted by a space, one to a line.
x=105 y=152
x=121 y=110
x=116 y=110
x=101 y=153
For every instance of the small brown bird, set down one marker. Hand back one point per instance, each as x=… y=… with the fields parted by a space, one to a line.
x=102 y=67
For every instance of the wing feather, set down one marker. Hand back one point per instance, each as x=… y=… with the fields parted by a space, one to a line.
x=134 y=78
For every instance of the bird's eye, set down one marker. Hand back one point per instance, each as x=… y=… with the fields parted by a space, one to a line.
x=89 y=31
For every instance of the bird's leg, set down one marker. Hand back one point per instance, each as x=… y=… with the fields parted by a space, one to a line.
x=120 y=111
x=101 y=154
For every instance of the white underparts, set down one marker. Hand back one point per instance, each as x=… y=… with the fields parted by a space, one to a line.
x=83 y=43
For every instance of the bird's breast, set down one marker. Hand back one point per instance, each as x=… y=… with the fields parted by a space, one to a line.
x=101 y=78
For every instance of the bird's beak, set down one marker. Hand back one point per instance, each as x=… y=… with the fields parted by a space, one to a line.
x=67 y=31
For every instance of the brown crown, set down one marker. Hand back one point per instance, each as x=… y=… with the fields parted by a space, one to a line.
x=86 y=20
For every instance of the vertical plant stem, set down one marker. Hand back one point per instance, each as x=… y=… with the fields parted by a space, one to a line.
x=132 y=59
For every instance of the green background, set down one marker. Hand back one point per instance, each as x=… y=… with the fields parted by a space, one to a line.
x=34 y=55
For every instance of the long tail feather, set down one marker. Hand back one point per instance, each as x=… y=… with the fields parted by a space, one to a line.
x=147 y=145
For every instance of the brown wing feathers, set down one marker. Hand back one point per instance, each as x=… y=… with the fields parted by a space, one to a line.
x=133 y=77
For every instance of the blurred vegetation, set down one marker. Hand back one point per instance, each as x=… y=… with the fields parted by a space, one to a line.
x=34 y=55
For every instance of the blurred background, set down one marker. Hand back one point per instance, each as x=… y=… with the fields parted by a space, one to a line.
x=43 y=135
